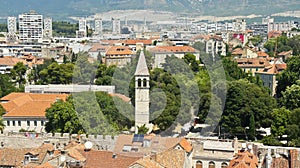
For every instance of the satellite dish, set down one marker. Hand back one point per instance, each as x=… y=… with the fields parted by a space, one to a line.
x=62 y=158
x=88 y=145
x=250 y=147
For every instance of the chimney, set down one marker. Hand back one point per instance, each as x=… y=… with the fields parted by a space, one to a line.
x=114 y=156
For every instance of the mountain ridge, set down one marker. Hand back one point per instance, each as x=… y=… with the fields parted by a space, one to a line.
x=66 y=8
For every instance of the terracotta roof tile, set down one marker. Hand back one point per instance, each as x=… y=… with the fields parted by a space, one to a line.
x=29 y=104
x=135 y=41
x=186 y=145
x=119 y=50
x=104 y=159
x=252 y=62
x=147 y=162
x=244 y=159
x=173 y=49
x=123 y=97
x=262 y=54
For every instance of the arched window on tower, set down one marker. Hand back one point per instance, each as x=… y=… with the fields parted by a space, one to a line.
x=144 y=82
x=211 y=164
x=224 y=165
x=199 y=164
x=139 y=82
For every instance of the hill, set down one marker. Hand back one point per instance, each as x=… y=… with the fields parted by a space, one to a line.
x=65 y=8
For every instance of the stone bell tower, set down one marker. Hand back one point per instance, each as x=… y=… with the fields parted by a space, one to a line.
x=142 y=88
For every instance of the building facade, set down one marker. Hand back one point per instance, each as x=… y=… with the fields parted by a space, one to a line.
x=47 y=28
x=30 y=27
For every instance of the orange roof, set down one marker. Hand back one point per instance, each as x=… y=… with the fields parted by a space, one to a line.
x=11 y=61
x=283 y=53
x=272 y=69
x=104 y=159
x=244 y=159
x=119 y=50
x=262 y=54
x=173 y=49
x=186 y=145
x=134 y=41
x=98 y=47
x=252 y=62
x=147 y=162
x=29 y=104
x=237 y=51
x=45 y=165
x=123 y=97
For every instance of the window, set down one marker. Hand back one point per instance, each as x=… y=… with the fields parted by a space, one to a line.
x=19 y=123
x=7 y=123
x=28 y=123
x=35 y=123
x=199 y=164
x=224 y=165
x=42 y=123
x=145 y=82
x=211 y=165
x=13 y=123
x=139 y=82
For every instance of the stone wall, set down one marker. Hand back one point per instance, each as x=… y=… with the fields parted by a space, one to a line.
x=32 y=140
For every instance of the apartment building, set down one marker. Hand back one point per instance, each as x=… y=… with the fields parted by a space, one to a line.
x=30 y=27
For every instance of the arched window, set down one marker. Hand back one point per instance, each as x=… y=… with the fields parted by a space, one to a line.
x=224 y=165
x=139 y=82
x=199 y=164
x=211 y=164
x=144 y=82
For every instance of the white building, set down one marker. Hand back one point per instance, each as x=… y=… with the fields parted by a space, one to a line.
x=12 y=24
x=98 y=26
x=82 y=31
x=27 y=111
x=116 y=26
x=47 y=28
x=30 y=27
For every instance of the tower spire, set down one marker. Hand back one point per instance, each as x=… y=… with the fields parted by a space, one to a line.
x=141 y=68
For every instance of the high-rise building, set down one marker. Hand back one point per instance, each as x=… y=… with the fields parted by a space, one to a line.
x=98 y=26
x=116 y=26
x=12 y=24
x=82 y=32
x=30 y=27
x=47 y=28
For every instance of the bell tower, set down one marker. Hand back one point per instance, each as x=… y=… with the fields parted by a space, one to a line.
x=142 y=87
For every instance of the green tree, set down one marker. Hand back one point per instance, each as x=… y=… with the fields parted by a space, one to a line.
x=18 y=73
x=291 y=96
x=84 y=71
x=280 y=120
x=243 y=100
x=190 y=59
x=142 y=129
x=62 y=118
x=57 y=74
x=289 y=76
x=6 y=86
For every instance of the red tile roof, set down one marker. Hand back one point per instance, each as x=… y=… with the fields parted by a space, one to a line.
x=11 y=61
x=252 y=62
x=173 y=49
x=119 y=50
x=105 y=159
x=262 y=54
x=244 y=159
x=186 y=145
x=29 y=104
x=135 y=41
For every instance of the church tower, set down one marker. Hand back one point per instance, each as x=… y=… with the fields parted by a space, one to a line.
x=142 y=87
